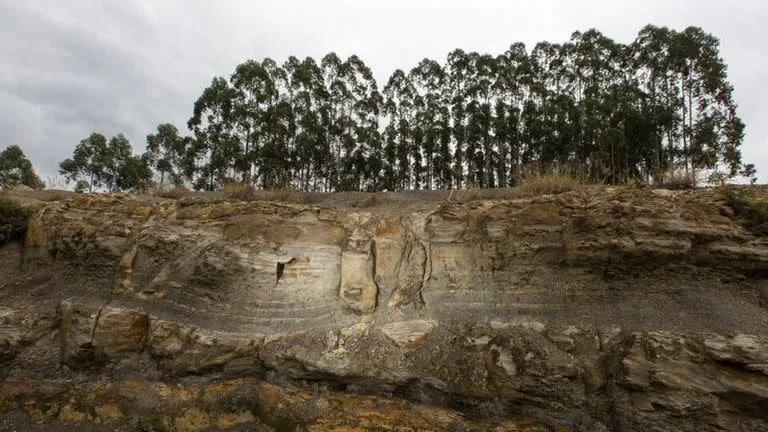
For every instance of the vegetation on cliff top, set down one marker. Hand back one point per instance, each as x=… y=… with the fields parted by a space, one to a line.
x=750 y=207
x=590 y=107
x=16 y=169
x=13 y=220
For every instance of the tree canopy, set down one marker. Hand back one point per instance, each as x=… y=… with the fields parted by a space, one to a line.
x=16 y=169
x=607 y=111
x=111 y=164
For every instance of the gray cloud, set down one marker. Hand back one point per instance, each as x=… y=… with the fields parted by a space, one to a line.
x=71 y=67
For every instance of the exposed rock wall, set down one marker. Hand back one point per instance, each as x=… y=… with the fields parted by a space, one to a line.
x=610 y=309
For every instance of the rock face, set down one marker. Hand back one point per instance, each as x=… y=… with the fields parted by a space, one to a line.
x=606 y=309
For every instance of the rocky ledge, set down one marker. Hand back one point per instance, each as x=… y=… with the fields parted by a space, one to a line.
x=605 y=309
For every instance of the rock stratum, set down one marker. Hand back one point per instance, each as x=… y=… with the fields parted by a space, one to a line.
x=599 y=310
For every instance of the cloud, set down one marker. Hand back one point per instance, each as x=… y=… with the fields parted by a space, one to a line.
x=76 y=66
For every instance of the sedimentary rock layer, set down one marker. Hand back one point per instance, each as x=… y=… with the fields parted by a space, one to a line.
x=604 y=309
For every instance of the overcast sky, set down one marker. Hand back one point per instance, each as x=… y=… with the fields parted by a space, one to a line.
x=70 y=67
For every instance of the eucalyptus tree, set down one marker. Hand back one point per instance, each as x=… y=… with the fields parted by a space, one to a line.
x=309 y=96
x=596 y=60
x=482 y=71
x=87 y=164
x=649 y=53
x=399 y=95
x=591 y=104
x=165 y=153
x=442 y=163
x=254 y=91
x=134 y=173
x=215 y=147
x=512 y=86
x=16 y=169
x=277 y=158
x=457 y=71
x=365 y=106
x=708 y=105
x=428 y=79
x=118 y=153
x=692 y=100
x=97 y=162
x=337 y=116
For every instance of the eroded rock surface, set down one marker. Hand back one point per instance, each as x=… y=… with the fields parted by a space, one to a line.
x=607 y=309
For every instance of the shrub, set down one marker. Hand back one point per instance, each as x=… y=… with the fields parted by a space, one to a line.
x=282 y=195
x=177 y=192
x=244 y=192
x=13 y=220
x=464 y=195
x=678 y=180
x=750 y=208
x=550 y=184
x=239 y=191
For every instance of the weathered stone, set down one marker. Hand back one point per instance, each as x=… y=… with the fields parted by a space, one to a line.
x=77 y=326
x=605 y=309
x=410 y=277
x=120 y=332
x=407 y=333
x=358 y=287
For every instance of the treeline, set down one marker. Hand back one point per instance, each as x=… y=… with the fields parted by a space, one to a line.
x=603 y=110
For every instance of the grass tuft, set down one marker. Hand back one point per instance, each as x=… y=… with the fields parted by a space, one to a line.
x=550 y=184
x=282 y=195
x=749 y=207
x=464 y=195
x=176 y=192
x=239 y=191
x=678 y=180
x=242 y=192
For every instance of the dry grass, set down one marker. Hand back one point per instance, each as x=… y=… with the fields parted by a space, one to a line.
x=371 y=200
x=282 y=195
x=749 y=207
x=239 y=191
x=464 y=195
x=242 y=192
x=677 y=180
x=550 y=184
x=176 y=193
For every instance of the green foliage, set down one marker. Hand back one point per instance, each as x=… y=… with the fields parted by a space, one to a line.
x=98 y=163
x=751 y=208
x=81 y=186
x=13 y=220
x=134 y=173
x=749 y=172
x=16 y=169
x=612 y=111
x=165 y=153
x=615 y=111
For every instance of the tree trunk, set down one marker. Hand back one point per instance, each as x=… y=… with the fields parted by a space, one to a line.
x=690 y=128
x=685 y=142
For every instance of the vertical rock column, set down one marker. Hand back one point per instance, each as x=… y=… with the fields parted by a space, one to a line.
x=358 y=290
